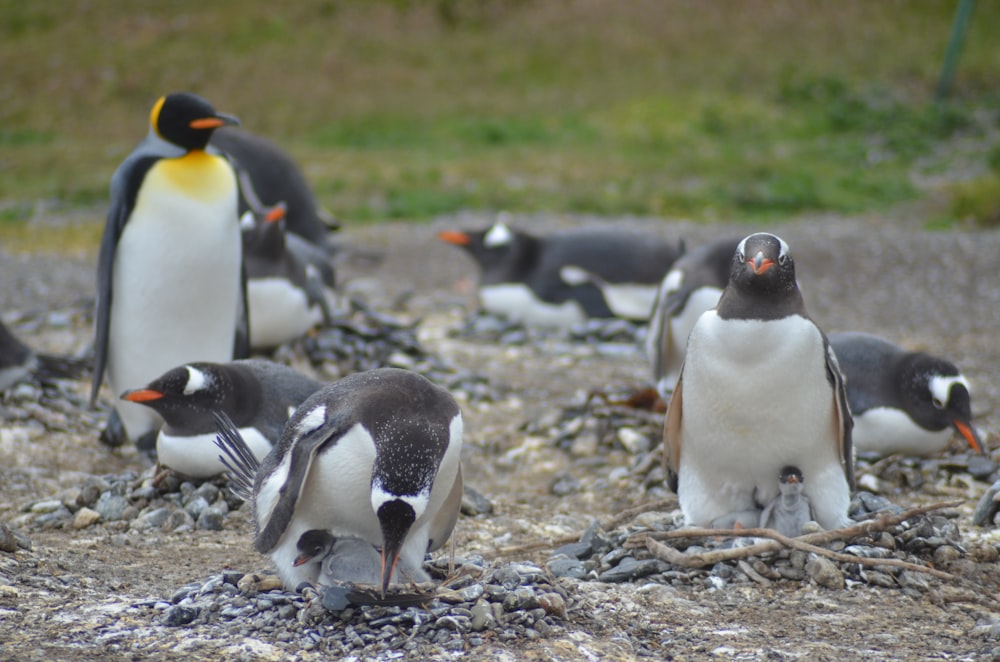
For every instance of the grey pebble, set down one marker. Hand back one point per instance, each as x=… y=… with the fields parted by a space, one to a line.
x=566 y=567
x=210 y=520
x=824 y=572
x=111 y=506
x=180 y=615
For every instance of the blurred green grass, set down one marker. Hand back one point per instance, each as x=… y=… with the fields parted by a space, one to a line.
x=761 y=109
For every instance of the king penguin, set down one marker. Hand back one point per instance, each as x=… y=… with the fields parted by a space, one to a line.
x=563 y=279
x=170 y=281
x=258 y=396
x=903 y=402
x=289 y=280
x=760 y=389
x=375 y=456
x=692 y=286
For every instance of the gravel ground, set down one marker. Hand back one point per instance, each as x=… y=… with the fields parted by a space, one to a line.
x=144 y=570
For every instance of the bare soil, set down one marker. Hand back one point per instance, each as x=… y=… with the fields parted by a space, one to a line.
x=932 y=290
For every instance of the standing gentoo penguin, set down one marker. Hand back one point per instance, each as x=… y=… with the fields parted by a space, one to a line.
x=18 y=362
x=760 y=389
x=562 y=279
x=692 y=286
x=790 y=510
x=289 y=280
x=169 y=275
x=276 y=178
x=258 y=396
x=374 y=456
x=903 y=402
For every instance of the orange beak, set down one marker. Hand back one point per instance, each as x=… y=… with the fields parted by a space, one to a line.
x=390 y=559
x=301 y=559
x=969 y=434
x=142 y=395
x=454 y=237
x=275 y=213
x=759 y=264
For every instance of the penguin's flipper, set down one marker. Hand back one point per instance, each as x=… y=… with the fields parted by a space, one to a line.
x=672 y=435
x=237 y=457
x=444 y=521
x=843 y=423
x=298 y=461
x=316 y=293
x=124 y=190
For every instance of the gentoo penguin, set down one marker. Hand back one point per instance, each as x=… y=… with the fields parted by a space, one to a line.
x=692 y=286
x=344 y=559
x=258 y=396
x=276 y=178
x=375 y=456
x=902 y=402
x=169 y=279
x=760 y=389
x=790 y=510
x=289 y=281
x=562 y=279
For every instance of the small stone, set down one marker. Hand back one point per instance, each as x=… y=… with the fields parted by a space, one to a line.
x=566 y=567
x=85 y=517
x=553 y=603
x=111 y=506
x=254 y=583
x=564 y=484
x=474 y=503
x=154 y=519
x=88 y=495
x=207 y=491
x=210 y=520
x=196 y=505
x=47 y=506
x=981 y=467
x=482 y=616
x=8 y=542
x=824 y=572
x=630 y=569
x=586 y=445
x=633 y=441
x=179 y=519
x=987 y=507
x=180 y=615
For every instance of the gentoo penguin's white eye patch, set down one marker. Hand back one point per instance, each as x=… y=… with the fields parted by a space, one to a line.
x=940 y=388
x=246 y=221
x=785 y=251
x=498 y=235
x=197 y=381
x=312 y=420
x=741 y=249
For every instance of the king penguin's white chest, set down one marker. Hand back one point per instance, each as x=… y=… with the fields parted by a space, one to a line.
x=176 y=279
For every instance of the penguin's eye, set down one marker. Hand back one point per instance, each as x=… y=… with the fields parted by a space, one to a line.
x=783 y=259
x=741 y=256
x=937 y=403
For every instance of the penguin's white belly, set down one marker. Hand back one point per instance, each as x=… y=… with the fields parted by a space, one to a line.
x=176 y=289
x=197 y=456
x=517 y=302
x=756 y=398
x=699 y=301
x=279 y=312
x=632 y=301
x=886 y=430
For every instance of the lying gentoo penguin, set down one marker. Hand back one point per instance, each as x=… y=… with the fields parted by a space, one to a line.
x=902 y=402
x=344 y=559
x=258 y=396
x=170 y=276
x=692 y=286
x=760 y=389
x=562 y=279
x=276 y=178
x=375 y=456
x=289 y=281
x=790 y=510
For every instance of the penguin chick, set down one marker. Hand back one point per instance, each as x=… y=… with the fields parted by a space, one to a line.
x=344 y=559
x=788 y=512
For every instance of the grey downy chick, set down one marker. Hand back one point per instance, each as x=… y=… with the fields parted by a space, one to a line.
x=788 y=512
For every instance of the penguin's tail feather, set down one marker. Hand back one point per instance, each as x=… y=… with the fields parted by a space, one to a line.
x=240 y=461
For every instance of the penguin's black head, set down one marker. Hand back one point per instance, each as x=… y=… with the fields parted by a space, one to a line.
x=313 y=544
x=187 y=120
x=499 y=250
x=395 y=517
x=763 y=264
x=183 y=396
x=790 y=475
x=936 y=396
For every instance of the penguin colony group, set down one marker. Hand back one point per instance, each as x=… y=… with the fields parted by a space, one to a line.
x=359 y=479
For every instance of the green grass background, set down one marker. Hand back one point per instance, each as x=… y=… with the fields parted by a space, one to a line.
x=710 y=109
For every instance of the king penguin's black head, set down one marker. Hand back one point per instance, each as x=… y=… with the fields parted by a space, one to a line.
x=395 y=517
x=763 y=264
x=187 y=120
